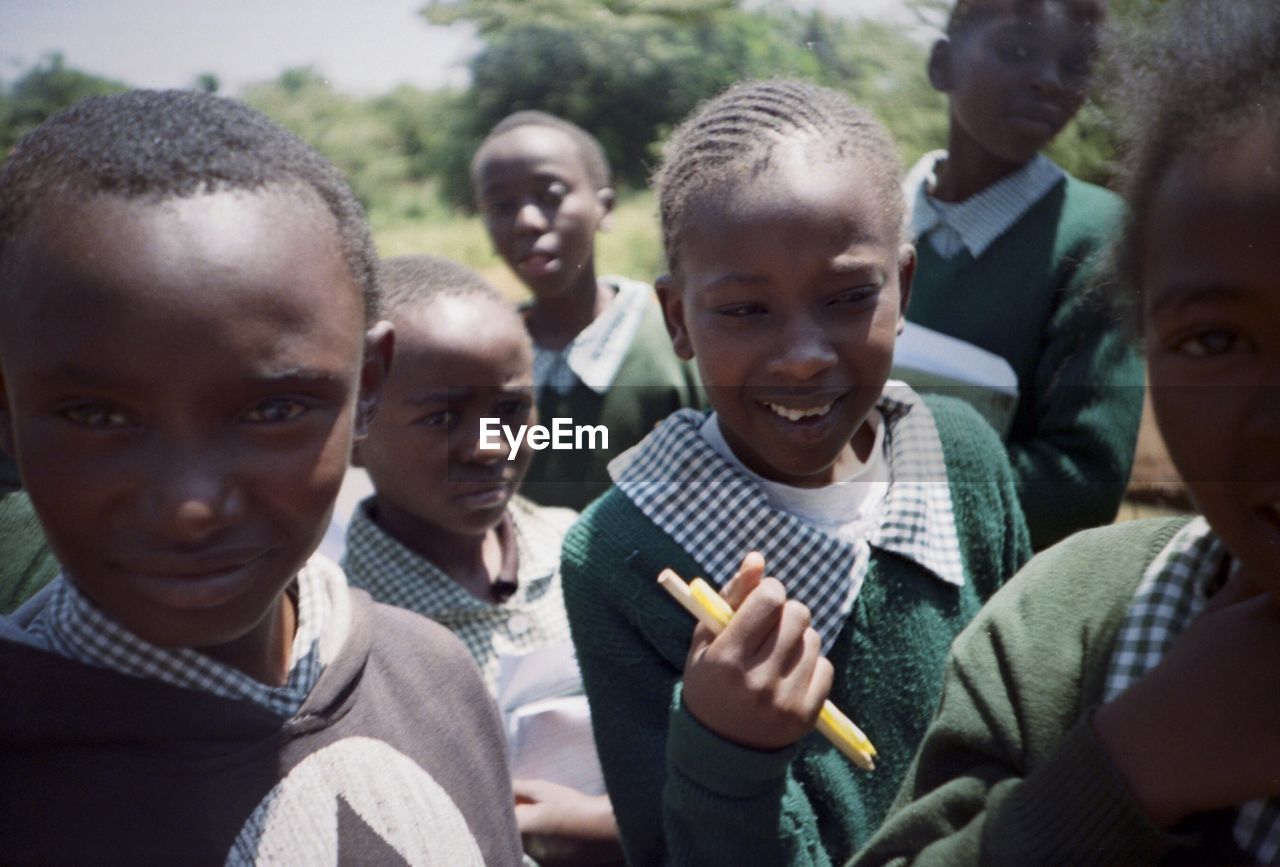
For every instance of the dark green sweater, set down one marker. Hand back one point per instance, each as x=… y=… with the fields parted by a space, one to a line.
x=26 y=564
x=1032 y=298
x=683 y=795
x=651 y=384
x=1010 y=772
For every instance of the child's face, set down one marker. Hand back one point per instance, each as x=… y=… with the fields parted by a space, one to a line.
x=540 y=207
x=789 y=292
x=179 y=386
x=1016 y=77
x=1211 y=305
x=457 y=360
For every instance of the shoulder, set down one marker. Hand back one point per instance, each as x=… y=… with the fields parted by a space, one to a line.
x=969 y=442
x=406 y=638
x=611 y=524
x=1090 y=213
x=1080 y=586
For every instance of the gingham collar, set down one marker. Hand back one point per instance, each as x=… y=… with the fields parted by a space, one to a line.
x=1173 y=591
x=395 y=575
x=596 y=354
x=716 y=513
x=982 y=218
x=72 y=626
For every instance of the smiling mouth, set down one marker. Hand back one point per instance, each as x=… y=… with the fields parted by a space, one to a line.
x=798 y=413
x=537 y=263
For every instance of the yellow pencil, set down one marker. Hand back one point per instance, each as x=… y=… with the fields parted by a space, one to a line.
x=710 y=608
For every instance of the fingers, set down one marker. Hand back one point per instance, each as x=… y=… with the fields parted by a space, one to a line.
x=749 y=575
x=755 y=620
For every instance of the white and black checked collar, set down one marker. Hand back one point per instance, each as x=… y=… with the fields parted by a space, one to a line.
x=979 y=220
x=717 y=514
x=72 y=626
x=1173 y=591
x=596 y=354
x=395 y=575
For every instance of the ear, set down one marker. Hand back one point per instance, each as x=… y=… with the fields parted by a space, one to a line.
x=939 y=65
x=607 y=197
x=379 y=341
x=672 y=300
x=906 y=274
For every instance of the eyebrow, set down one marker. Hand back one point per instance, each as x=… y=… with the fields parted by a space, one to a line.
x=1177 y=298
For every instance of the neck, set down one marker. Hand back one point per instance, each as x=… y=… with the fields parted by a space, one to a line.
x=472 y=560
x=969 y=169
x=265 y=652
x=553 y=321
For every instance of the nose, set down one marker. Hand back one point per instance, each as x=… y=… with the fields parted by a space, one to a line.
x=471 y=447
x=1048 y=78
x=192 y=493
x=805 y=351
x=529 y=218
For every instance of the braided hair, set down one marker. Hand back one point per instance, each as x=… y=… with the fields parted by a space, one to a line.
x=733 y=137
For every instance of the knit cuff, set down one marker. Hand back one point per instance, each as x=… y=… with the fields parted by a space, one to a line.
x=1074 y=808
x=713 y=763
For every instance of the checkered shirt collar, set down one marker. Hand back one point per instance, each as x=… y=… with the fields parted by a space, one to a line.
x=1173 y=591
x=72 y=626
x=395 y=575
x=715 y=512
x=982 y=218
x=596 y=354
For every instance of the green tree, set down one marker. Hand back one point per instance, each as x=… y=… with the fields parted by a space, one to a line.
x=47 y=87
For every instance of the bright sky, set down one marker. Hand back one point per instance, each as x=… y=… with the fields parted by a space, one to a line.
x=363 y=46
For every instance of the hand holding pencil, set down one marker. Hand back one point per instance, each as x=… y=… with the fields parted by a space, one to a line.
x=761 y=682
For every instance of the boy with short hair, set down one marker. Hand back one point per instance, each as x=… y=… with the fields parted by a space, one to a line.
x=188 y=339
x=601 y=353
x=446 y=535
x=1009 y=246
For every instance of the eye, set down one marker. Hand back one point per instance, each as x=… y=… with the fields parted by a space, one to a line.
x=275 y=411
x=856 y=295
x=499 y=207
x=554 y=194
x=741 y=311
x=1205 y=344
x=444 y=418
x=97 y=416
x=512 y=408
x=1014 y=52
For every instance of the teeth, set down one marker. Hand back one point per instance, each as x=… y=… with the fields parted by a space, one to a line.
x=798 y=414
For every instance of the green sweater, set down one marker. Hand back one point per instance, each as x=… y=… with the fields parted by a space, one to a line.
x=683 y=795
x=650 y=384
x=1032 y=298
x=26 y=564
x=1010 y=771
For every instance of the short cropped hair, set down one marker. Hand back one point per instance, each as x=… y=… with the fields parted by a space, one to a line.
x=967 y=12
x=164 y=144
x=589 y=150
x=1202 y=72
x=408 y=281
x=734 y=135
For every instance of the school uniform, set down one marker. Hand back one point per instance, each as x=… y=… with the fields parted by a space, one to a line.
x=532 y=617
x=936 y=540
x=1016 y=270
x=1011 y=771
x=26 y=564
x=382 y=745
x=621 y=372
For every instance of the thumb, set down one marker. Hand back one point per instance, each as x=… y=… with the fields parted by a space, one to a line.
x=749 y=575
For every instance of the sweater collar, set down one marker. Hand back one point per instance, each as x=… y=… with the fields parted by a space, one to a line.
x=596 y=354
x=717 y=514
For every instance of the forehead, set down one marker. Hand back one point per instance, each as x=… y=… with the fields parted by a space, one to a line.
x=804 y=201
x=526 y=151
x=215 y=262
x=460 y=340
x=1000 y=13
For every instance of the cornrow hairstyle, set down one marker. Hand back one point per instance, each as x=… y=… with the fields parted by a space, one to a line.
x=967 y=12
x=732 y=138
x=412 y=280
x=589 y=150
x=1202 y=72
x=164 y=144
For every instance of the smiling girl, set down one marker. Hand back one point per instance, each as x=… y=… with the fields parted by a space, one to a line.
x=886 y=520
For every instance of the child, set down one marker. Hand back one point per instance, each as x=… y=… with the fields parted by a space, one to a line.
x=781 y=220
x=188 y=338
x=445 y=535
x=1116 y=703
x=1008 y=242
x=601 y=354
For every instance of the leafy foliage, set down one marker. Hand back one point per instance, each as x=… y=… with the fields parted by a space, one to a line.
x=43 y=89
